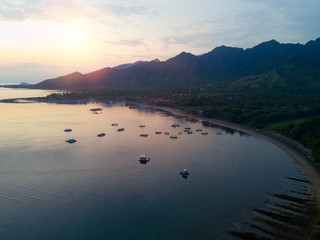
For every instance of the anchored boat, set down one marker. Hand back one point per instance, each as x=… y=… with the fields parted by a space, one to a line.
x=144 y=159
x=184 y=173
x=71 y=140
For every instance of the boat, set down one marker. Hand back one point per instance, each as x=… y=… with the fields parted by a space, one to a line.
x=101 y=134
x=71 y=140
x=158 y=133
x=95 y=109
x=143 y=135
x=144 y=159
x=219 y=133
x=166 y=133
x=180 y=133
x=199 y=130
x=173 y=136
x=204 y=133
x=187 y=128
x=120 y=130
x=142 y=126
x=68 y=130
x=114 y=124
x=184 y=173
x=175 y=125
x=189 y=132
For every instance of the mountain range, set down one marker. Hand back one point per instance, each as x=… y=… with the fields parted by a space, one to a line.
x=268 y=66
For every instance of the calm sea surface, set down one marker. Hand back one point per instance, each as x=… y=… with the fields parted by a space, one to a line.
x=97 y=189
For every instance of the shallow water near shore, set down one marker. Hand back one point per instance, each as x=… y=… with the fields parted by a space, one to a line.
x=97 y=189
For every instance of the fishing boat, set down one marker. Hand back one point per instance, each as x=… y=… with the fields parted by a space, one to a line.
x=184 y=173
x=175 y=125
x=71 y=140
x=144 y=159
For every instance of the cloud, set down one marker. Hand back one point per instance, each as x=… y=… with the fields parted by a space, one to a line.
x=61 y=10
x=56 y=10
x=123 y=10
x=123 y=42
x=19 y=10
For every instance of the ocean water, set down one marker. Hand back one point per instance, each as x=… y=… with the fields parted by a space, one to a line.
x=97 y=189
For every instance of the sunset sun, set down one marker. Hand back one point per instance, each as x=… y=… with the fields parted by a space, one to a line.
x=75 y=38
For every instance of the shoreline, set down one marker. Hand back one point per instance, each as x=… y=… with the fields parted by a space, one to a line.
x=301 y=155
x=310 y=223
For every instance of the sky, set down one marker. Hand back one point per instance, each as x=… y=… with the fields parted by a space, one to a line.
x=42 y=39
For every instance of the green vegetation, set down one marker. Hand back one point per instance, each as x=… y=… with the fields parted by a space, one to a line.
x=293 y=114
x=306 y=132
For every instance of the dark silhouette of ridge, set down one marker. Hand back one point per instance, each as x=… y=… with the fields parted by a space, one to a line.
x=269 y=65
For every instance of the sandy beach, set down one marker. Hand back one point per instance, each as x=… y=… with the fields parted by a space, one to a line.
x=298 y=152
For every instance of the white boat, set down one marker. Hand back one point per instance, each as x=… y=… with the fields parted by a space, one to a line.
x=144 y=159
x=101 y=134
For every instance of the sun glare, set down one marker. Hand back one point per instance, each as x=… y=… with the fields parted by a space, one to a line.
x=75 y=38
